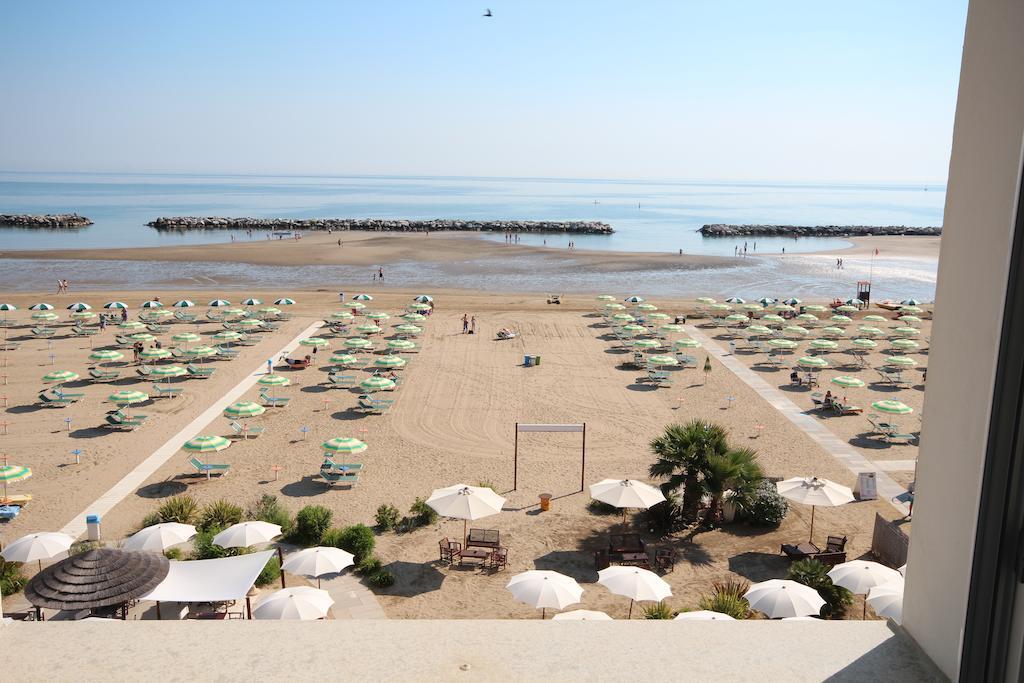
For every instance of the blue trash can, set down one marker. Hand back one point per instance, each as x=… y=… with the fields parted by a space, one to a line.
x=527 y=361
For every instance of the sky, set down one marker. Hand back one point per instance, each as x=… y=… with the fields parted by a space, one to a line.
x=724 y=89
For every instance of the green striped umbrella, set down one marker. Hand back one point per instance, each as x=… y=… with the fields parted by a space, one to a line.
x=408 y=329
x=658 y=316
x=910 y=302
x=901 y=361
x=269 y=310
x=735 y=300
x=671 y=328
x=344 y=445
x=847 y=382
x=907 y=331
x=414 y=317
x=606 y=297
x=377 y=383
x=201 y=352
x=423 y=298
x=284 y=301
x=217 y=303
x=160 y=313
x=377 y=315
x=183 y=303
x=60 y=376
x=13 y=473
x=782 y=343
x=79 y=306
x=772 y=318
x=794 y=330
x=736 y=318
x=342 y=315
x=892 y=407
x=416 y=307
x=634 y=299
x=357 y=343
x=911 y=309
x=8 y=307
x=367 y=328
x=842 y=319
x=250 y=323
x=251 y=302
x=874 y=318
x=909 y=319
x=83 y=315
x=168 y=371
x=106 y=355
x=782 y=307
x=752 y=307
x=906 y=344
x=792 y=301
x=758 y=330
x=344 y=359
x=206 y=444
x=869 y=331
x=614 y=307
x=152 y=304
x=273 y=381
x=767 y=301
x=186 y=337
x=42 y=306
x=244 y=409
x=846 y=308
x=623 y=318
x=227 y=335
x=362 y=297
x=318 y=342
x=864 y=343
x=401 y=345
x=648 y=308
x=233 y=312
x=809 y=317
x=357 y=306
x=141 y=336
x=662 y=359
x=633 y=328
x=115 y=304
x=131 y=325
x=389 y=362
x=706 y=300
x=45 y=315
x=824 y=344
x=645 y=344
x=154 y=354
x=720 y=307
x=812 y=362
x=686 y=343
x=832 y=331
x=815 y=308
x=127 y=397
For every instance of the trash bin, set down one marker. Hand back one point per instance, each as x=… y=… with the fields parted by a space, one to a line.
x=527 y=361
x=92 y=527
x=545 y=502
x=341 y=296
x=536 y=360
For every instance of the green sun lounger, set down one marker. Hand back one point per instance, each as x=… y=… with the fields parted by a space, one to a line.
x=245 y=432
x=208 y=468
x=167 y=392
x=273 y=401
x=98 y=375
x=342 y=381
x=195 y=372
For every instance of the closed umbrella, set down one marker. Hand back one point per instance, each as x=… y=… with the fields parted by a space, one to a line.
x=544 y=589
x=634 y=583
x=159 y=537
x=581 y=615
x=816 y=493
x=300 y=603
x=703 y=615
x=783 y=598
x=887 y=601
x=860 y=576
x=37 y=547
x=465 y=502
x=318 y=561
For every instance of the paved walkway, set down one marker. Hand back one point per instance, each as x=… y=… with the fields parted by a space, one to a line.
x=134 y=479
x=352 y=600
x=840 y=450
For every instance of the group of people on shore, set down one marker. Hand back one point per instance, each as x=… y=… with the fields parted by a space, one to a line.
x=468 y=324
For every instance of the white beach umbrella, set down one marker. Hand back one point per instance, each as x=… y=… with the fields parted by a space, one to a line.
x=783 y=598
x=318 y=561
x=159 y=537
x=465 y=502
x=634 y=583
x=40 y=546
x=815 y=492
x=245 y=534
x=626 y=493
x=703 y=615
x=581 y=615
x=887 y=601
x=544 y=589
x=860 y=576
x=302 y=603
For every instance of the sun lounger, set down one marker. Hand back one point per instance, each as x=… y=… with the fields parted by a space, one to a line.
x=157 y=329
x=269 y=326
x=9 y=346
x=273 y=401
x=21 y=499
x=247 y=430
x=660 y=378
x=844 y=409
x=892 y=437
x=167 y=392
x=378 y=406
x=52 y=400
x=208 y=468
x=880 y=427
x=84 y=331
x=120 y=413
x=686 y=361
x=123 y=342
x=333 y=477
x=195 y=372
x=144 y=370
x=224 y=353
x=68 y=395
x=98 y=375
x=120 y=422
x=43 y=332
x=341 y=381
x=343 y=467
x=184 y=317
x=246 y=341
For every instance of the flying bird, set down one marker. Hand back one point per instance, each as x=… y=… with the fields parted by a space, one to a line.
x=488 y=13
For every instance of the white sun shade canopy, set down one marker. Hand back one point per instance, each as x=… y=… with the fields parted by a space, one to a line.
x=228 y=578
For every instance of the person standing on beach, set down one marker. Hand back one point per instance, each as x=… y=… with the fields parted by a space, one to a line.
x=124 y=315
x=374 y=276
x=381 y=275
x=472 y=325
x=465 y=324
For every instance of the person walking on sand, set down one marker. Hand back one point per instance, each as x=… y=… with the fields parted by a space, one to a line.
x=465 y=324
x=124 y=315
x=381 y=275
x=472 y=325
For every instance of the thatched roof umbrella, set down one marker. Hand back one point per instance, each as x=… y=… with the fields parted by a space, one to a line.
x=97 y=578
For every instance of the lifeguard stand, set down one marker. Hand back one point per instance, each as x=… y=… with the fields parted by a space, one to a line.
x=864 y=292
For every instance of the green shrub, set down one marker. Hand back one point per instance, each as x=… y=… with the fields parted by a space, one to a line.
x=11 y=578
x=764 y=506
x=152 y=519
x=597 y=507
x=422 y=514
x=181 y=509
x=266 y=508
x=219 y=514
x=79 y=547
x=387 y=517
x=487 y=485
x=173 y=554
x=271 y=572
x=369 y=566
x=357 y=539
x=659 y=611
x=665 y=517
x=382 y=579
x=727 y=598
x=310 y=524
x=203 y=547
x=815 y=575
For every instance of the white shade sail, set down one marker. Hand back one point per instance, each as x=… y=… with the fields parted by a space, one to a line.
x=159 y=537
x=227 y=578
x=626 y=493
x=783 y=598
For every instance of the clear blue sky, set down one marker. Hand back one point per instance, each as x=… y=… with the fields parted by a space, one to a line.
x=718 y=89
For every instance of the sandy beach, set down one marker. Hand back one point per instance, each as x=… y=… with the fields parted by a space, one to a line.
x=453 y=422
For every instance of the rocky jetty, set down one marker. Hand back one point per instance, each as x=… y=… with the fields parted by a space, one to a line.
x=59 y=221
x=181 y=223
x=723 y=230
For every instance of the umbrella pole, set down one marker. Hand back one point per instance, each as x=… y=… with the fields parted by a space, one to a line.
x=812 y=524
x=280 y=562
x=465 y=535
x=248 y=607
x=630 y=616
x=158 y=616
x=543 y=613
x=864 y=614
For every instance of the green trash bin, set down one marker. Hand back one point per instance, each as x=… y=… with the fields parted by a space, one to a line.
x=536 y=360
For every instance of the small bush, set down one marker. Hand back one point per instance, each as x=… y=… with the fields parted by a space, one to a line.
x=369 y=566
x=727 y=598
x=815 y=575
x=382 y=579
x=271 y=572
x=764 y=507
x=203 y=547
x=266 y=508
x=79 y=547
x=357 y=539
x=666 y=517
x=486 y=485
x=11 y=578
x=173 y=554
x=310 y=524
x=387 y=517
x=181 y=509
x=152 y=519
x=219 y=514
x=659 y=611
x=596 y=507
x=422 y=514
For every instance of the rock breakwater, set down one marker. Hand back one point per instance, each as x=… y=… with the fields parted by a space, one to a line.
x=723 y=230
x=181 y=223
x=59 y=221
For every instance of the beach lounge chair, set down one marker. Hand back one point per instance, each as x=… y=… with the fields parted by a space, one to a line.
x=880 y=427
x=144 y=370
x=845 y=409
x=273 y=401
x=177 y=354
x=686 y=361
x=214 y=316
x=157 y=329
x=341 y=381
x=247 y=430
x=660 y=378
x=246 y=341
x=120 y=413
x=119 y=422
x=333 y=477
x=181 y=316
x=224 y=353
x=269 y=326
x=343 y=467
x=7 y=345
x=99 y=375
x=818 y=399
x=379 y=406
x=167 y=392
x=21 y=499
x=9 y=512
x=67 y=395
x=51 y=400
x=43 y=332
x=207 y=468
x=195 y=372
x=123 y=342
x=79 y=331
x=893 y=437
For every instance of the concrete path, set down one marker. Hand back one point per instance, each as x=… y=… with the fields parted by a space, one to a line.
x=840 y=450
x=134 y=479
x=896 y=465
x=352 y=600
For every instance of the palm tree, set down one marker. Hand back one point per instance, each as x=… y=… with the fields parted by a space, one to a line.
x=736 y=469
x=683 y=451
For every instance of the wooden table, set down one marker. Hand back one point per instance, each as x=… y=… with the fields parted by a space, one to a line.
x=473 y=554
